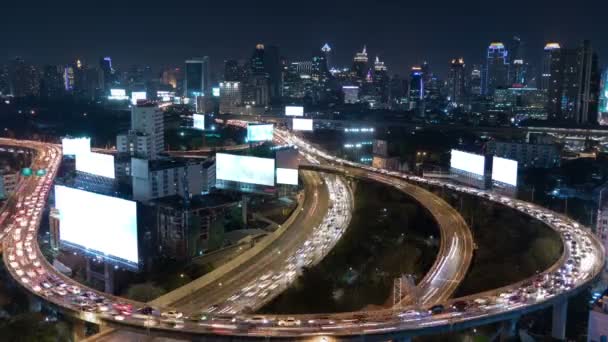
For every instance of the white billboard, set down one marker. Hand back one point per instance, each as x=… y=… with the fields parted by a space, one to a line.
x=138 y=95
x=504 y=170
x=468 y=162
x=259 y=132
x=96 y=164
x=287 y=176
x=294 y=111
x=75 y=146
x=244 y=169
x=102 y=224
x=118 y=92
x=302 y=124
x=198 y=121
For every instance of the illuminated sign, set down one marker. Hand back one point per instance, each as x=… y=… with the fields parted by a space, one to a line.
x=75 y=146
x=138 y=95
x=294 y=111
x=215 y=91
x=504 y=170
x=468 y=162
x=198 y=121
x=96 y=164
x=302 y=124
x=244 y=169
x=97 y=223
x=287 y=176
x=259 y=132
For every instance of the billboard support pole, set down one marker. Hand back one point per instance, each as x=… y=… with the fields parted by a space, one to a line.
x=108 y=277
x=244 y=210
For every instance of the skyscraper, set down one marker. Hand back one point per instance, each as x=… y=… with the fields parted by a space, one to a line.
x=416 y=87
x=106 y=73
x=359 y=69
x=574 y=84
x=51 y=83
x=456 y=76
x=256 y=62
x=380 y=81
x=497 y=68
x=603 y=100
x=24 y=78
x=196 y=80
x=545 y=76
x=518 y=64
x=272 y=67
x=326 y=50
x=474 y=81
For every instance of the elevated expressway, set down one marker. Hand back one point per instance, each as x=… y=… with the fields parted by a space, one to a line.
x=580 y=264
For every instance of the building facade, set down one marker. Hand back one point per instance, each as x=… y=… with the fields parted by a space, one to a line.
x=527 y=155
x=161 y=178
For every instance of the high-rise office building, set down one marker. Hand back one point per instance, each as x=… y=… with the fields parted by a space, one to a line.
x=230 y=97
x=51 y=83
x=326 y=50
x=545 y=76
x=456 y=82
x=24 y=78
x=574 y=85
x=256 y=62
x=416 y=87
x=519 y=66
x=380 y=81
x=359 y=69
x=107 y=75
x=196 y=77
x=4 y=80
x=272 y=67
x=603 y=100
x=497 y=68
x=234 y=71
x=474 y=81
x=146 y=138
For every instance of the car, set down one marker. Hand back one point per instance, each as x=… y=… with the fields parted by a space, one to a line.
x=460 y=306
x=172 y=314
x=436 y=309
x=257 y=320
x=289 y=322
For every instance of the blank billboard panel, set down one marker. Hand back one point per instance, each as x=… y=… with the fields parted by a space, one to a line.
x=294 y=111
x=96 y=164
x=302 y=124
x=244 y=169
x=468 y=162
x=504 y=170
x=75 y=146
x=198 y=121
x=287 y=176
x=259 y=132
x=101 y=224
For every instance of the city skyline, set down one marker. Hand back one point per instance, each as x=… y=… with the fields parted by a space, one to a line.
x=435 y=33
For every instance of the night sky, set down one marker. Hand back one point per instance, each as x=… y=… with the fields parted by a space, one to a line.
x=403 y=32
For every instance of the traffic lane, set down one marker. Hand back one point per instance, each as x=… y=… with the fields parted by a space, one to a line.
x=314 y=207
x=251 y=270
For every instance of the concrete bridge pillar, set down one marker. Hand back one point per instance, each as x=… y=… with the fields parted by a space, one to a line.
x=509 y=329
x=560 y=315
x=79 y=330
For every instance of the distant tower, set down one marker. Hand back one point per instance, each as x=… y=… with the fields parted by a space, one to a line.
x=456 y=75
x=545 y=76
x=497 y=68
x=326 y=49
x=360 y=64
x=196 y=80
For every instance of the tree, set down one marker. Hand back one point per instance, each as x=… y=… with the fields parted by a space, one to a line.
x=144 y=292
